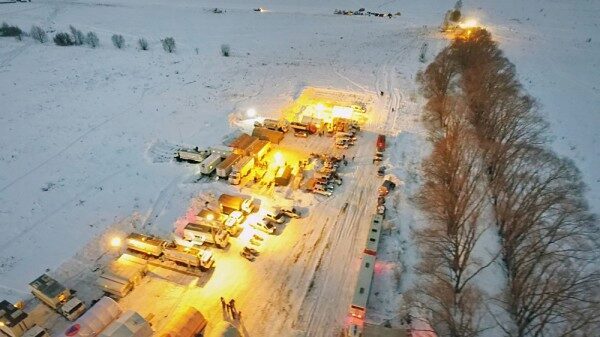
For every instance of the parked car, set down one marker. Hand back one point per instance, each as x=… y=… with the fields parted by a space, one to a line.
x=292 y=213
x=321 y=191
x=265 y=226
x=235 y=218
x=301 y=134
x=381 y=171
x=277 y=218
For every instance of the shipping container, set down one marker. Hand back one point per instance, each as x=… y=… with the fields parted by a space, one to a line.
x=224 y=168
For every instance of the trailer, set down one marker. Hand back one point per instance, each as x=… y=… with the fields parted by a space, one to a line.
x=358 y=307
x=299 y=126
x=283 y=179
x=190 y=256
x=209 y=164
x=241 y=169
x=272 y=136
x=229 y=203
x=199 y=233
x=224 y=168
x=192 y=156
x=121 y=276
x=147 y=245
x=129 y=324
x=36 y=331
x=188 y=323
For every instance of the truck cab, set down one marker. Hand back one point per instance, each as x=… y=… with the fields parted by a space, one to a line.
x=72 y=309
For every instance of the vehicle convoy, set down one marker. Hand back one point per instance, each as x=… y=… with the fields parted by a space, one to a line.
x=230 y=203
x=57 y=297
x=241 y=169
x=208 y=165
x=201 y=232
x=226 y=166
x=192 y=257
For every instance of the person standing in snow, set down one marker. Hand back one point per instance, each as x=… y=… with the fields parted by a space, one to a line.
x=223 y=304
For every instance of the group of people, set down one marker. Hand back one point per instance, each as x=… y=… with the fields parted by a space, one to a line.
x=229 y=308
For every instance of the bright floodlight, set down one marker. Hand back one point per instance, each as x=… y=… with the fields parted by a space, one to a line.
x=210 y=217
x=320 y=107
x=279 y=159
x=251 y=113
x=115 y=242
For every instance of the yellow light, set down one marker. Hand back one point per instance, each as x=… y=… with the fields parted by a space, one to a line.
x=1 y=323
x=251 y=113
x=210 y=217
x=115 y=242
x=470 y=23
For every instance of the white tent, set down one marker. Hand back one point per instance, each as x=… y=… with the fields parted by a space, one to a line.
x=129 y=324
x=95 y=319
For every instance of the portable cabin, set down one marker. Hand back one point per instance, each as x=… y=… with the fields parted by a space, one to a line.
x=258 y=149
x=36 y=331
x=283 y=179
x=224 y=168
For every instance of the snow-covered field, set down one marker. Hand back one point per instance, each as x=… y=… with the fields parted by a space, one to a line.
x=84 y=132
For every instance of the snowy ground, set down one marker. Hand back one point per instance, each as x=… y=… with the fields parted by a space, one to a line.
x=84 y=133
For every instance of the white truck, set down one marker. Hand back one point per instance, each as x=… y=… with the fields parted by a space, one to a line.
x=208 y=165
x=201 y=232
x=241 y=169
x=57 y=297
x=190 y=256
x=224 y=168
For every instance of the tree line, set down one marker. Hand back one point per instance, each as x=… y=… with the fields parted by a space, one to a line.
x=491 y=171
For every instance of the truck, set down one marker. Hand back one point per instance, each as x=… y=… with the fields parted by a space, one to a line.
x=190 y=256
x=192 y=156
x=147 y=245
x=230 y=203
x=380 y=144
x=224 y=168
x=121 y=276
x=57 y=297
x=240 y=170
x=386 y=187
x=202 y=232
x=277 y=125
x=208 y=165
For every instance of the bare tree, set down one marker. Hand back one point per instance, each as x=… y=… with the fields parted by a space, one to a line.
x=78 y=37
x=118 y=40
x=92 y=39
x=143 y=44
x=38 y=34
x=168 y=44
x=453 y=198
